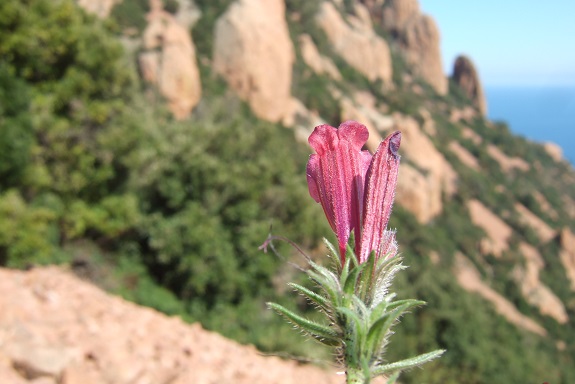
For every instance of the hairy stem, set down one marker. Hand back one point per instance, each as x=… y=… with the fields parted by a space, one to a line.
x=356 y=376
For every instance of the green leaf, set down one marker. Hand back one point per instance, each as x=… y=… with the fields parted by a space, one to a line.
x=331 y=288
x=407 y=363
x=312 y=296
x=409 y=302
x=344 y=272
x=350 y=282
x=350 y=253
x=378 y=330
x=366 y=281
x=326 y=273
x=334 y=253
x=319 y=332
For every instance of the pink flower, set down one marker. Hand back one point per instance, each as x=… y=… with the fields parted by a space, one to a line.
x=355 y=189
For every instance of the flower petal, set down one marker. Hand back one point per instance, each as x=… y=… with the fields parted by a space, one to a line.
x=380 y=183
x=354 y=133
x=323 y=138
x=336 y=175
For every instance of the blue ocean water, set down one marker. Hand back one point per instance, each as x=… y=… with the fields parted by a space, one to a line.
x=540 y=113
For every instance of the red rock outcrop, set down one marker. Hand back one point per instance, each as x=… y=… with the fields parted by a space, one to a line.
x=533 y=290
x=567 y=254
x=418 y=38
x=554 y=150
x=254 y=54
x=318 y=63
x=541 y=228
x=545 y=205
x=397 y=13
x=464 y=155
x=466 y=114
x=374 y=7
x=356 y=42
x=470 y=134
x=507 y=163
x=465 y=75
x=169 y=61
x=470 y=279
x=55 y=328
x=498 y=232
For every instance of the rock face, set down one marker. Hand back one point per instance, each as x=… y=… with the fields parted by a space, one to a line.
x=567 y=254
x=55 y=328
x=421 y=189
x=374 y=8
x=464 y=155
x=498 y=232
x=418 y=38
x=466 y=76
x=318 y=63
x=534 y=291
x=100 y=8
x=169 y=61
x=541 y=228
x=356 y=42
x=254 y=54
x=397 y=13
x=470 y=279
x=507 y=163
x=554 y=150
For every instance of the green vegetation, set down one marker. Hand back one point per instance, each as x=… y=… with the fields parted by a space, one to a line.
x=170 y=214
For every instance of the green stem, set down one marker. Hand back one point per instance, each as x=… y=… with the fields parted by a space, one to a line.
x=355 y=373
x=356 y=376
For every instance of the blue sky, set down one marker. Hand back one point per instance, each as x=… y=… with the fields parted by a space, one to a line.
x=511 y=42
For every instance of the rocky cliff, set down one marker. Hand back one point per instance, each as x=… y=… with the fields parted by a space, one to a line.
x=168 y=61
x=254 y=52
x=465 y=75
x=418 y=37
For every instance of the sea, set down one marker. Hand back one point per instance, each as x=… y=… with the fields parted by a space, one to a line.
x=539 y=113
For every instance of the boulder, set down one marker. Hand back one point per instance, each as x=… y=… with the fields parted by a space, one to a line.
x=168 y=61
x=356 y=42
x=55 y=328
x=374 y=7
x=418 y=39
x=465 y=75
x=254 y=54
x=553 y=150
x=397 y=13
